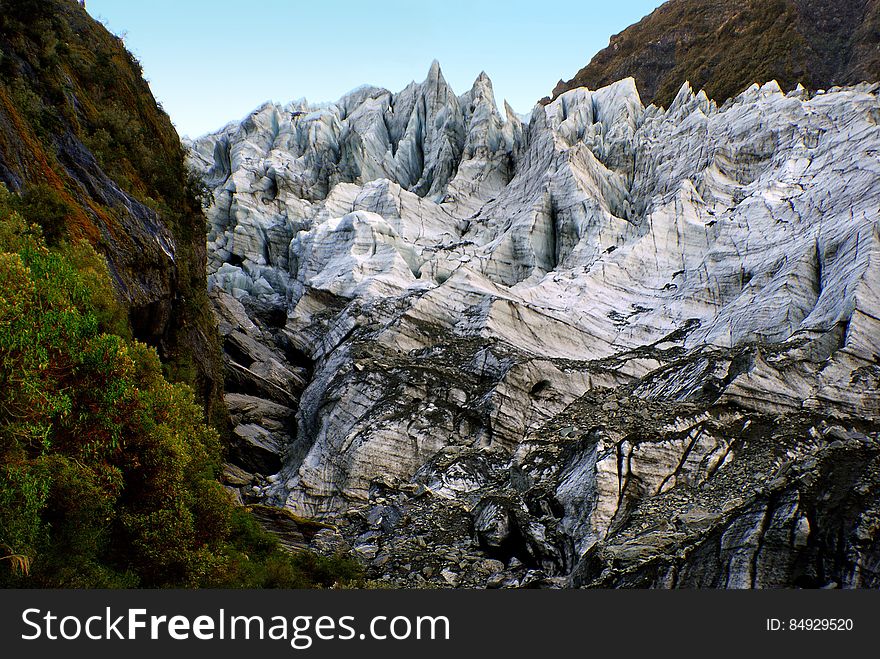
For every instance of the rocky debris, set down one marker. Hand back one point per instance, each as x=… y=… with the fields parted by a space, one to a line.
x=330 y=542
x=803 y=525
x=236 y=476
x=597 y=349
x=772 y=515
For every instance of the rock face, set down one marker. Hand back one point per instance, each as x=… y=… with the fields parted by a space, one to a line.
x=726 y=45
x=616 y=346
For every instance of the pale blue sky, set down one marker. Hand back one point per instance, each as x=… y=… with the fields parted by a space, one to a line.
x=210 y=62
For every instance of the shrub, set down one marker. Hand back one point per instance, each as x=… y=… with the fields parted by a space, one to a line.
x=108 y=475
x=44 y=206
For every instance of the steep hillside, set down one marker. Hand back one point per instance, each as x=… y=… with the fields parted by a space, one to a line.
x=723 y=46
x=84 y=142
x=108 y=464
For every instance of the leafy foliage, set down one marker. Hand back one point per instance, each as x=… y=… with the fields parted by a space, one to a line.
x=82 y=136
x=108 y=475
x=107 y=472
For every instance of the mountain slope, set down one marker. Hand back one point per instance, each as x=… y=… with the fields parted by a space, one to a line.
x=83 y=140
x=108 y=464
x=723 y=46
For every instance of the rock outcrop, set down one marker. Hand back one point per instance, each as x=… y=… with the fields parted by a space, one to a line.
x=615 y=346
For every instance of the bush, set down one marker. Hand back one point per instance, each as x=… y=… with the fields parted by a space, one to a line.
x=44 y=206
x=256 y=561
x=108 y=475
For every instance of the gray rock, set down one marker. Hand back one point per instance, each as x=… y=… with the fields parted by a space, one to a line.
x=493 y=524
x=329 y=542
x=490 y=566
x=366 y=552
x=233 y=475
x=450 y=577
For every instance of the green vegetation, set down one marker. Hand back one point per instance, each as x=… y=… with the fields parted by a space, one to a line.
x=723 y=46
x=108 y=472
x=762 y=43
x=78 y=123
x=49 y=209
x=108 y=476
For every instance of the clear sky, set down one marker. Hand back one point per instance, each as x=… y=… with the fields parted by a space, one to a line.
x=212 y=61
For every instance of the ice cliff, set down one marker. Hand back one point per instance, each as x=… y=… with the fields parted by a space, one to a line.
x=616 y=345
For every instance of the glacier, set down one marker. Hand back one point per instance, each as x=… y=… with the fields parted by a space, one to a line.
x=615 y=345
